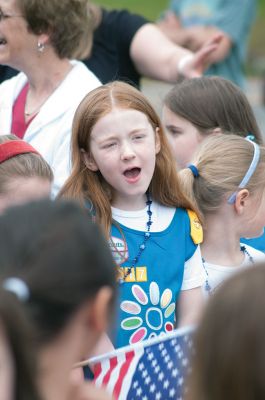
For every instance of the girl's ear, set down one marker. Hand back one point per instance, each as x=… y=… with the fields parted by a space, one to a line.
x=157 y=140
x=88 y=161
x=242 y=198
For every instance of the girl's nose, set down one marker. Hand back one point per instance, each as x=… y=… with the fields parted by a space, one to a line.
x=127 y=152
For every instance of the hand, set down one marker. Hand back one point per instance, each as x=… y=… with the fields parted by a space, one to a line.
x=198 y=35
x=193 y=67
x=85 y=390
x=88 y=391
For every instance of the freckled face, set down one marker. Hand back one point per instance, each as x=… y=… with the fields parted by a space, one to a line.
x=183 y=136
x=123 y=148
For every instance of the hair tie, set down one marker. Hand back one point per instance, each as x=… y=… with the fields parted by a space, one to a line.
x=18 y=287
x=194 y=170
x=250 y=171
x=13 y=148
x=250 y=137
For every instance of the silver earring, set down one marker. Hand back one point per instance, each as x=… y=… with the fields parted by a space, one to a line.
x=41 y=47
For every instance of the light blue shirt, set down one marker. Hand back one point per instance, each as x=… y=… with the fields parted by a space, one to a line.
x=233 y=17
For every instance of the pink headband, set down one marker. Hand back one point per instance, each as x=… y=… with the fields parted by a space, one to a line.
x=13 y=148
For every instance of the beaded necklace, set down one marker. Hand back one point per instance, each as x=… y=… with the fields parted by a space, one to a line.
x=146 y=236
x=207 y=286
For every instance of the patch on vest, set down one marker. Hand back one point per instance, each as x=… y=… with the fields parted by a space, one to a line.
x=119 y=250
x=196 y=231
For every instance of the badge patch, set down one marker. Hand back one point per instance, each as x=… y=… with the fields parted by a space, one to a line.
x=119 y=250
x=196 y=231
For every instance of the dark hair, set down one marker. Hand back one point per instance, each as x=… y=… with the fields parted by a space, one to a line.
x=212 y=102
x=230 y=353
x=67 y=22
x=19 y=335
x=60 y=255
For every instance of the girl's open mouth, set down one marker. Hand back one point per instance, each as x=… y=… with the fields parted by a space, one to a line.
x=132 y=174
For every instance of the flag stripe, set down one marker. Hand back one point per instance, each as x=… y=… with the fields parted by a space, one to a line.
x=113 y=363
x=97 y=370
x=116 y=373
x=123 y=372
x=152 y=369
x=104 y=368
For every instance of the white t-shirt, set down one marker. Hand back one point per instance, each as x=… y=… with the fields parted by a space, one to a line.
x=194 y=274
x=216 y=274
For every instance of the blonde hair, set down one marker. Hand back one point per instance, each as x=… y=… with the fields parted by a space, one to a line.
x=222 y=161
x=86 y=185
x=22 y=165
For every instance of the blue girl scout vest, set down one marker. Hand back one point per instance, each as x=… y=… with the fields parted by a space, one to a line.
x=147 y=298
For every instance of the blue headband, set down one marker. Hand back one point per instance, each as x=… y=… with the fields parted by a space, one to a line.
x=194 y=170
x=249 y=172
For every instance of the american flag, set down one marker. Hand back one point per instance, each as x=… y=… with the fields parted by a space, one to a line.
x=151 y=370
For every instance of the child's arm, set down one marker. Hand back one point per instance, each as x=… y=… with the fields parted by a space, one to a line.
x=190 y=306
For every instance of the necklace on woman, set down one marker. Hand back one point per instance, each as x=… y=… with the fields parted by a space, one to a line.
x=207 y=285
x=36 y=109
x=142 y=246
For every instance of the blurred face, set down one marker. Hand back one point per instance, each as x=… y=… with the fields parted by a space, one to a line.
x=16 y=43
x=183 y=137
x=7 y=378
x=22 y=190
x=123 y=148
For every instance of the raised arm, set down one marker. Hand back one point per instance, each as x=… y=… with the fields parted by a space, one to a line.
x=157 y=57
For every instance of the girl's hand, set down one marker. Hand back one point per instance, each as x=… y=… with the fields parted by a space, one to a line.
x=84 y=390
x=193 y=66
x=88 y=391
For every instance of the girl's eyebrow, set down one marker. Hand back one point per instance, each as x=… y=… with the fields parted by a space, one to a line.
x=138 y=130
x=104 y=139
x=113 y=136
x=171 y=126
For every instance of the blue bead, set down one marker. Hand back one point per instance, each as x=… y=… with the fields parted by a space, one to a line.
x=142 y=247
x=147 y=234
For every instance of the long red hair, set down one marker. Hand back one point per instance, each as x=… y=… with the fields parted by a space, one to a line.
x=88 y=186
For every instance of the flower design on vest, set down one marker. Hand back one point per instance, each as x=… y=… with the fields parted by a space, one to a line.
x=155 y=316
